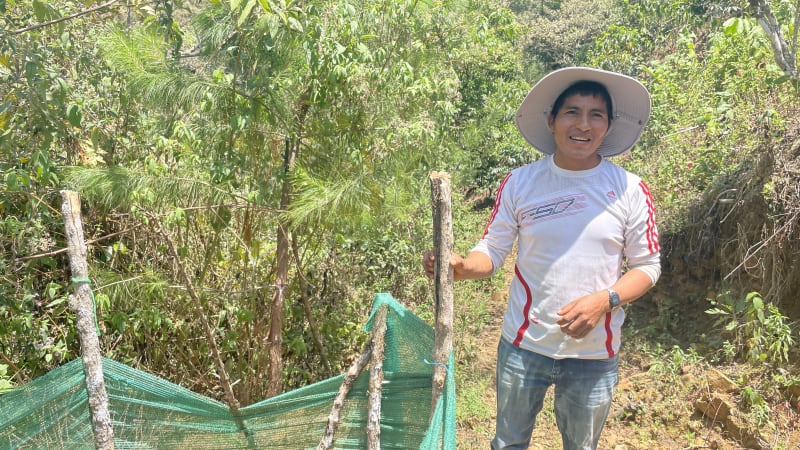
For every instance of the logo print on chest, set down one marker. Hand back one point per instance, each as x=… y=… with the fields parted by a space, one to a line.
x=549 y=209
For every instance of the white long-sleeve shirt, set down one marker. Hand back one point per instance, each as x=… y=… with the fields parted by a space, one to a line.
x=574 y=229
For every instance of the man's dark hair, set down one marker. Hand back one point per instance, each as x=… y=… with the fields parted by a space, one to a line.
x=585 y=88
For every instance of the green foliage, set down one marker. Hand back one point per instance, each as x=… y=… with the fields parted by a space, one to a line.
x=560 y=33
x=176 y=125
x=5 y=381
x=472 y=410
x=59 y=107
x=651 y=30
x=367 y=101
x=711 y=89
x=757 y=330
x=485 y=144
x=671 y=362
x=752 y=401
x=41 y=328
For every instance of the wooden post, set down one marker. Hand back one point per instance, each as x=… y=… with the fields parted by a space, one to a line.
x=443 y=250
x=350 y=377
x=82 y=303
x=376 y=380
x=373 y=353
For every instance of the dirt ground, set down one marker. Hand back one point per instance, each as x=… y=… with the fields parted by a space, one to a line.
x=650 y=411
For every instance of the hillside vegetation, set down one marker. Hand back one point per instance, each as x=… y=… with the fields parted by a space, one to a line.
x=283 y=149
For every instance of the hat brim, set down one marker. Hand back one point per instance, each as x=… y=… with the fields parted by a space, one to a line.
x=629 y=98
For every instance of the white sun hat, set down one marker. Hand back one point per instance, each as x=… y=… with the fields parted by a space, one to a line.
x=629 y=98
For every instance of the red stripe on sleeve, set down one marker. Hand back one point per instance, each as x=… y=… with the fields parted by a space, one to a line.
x=652 y=233
x=496 y=207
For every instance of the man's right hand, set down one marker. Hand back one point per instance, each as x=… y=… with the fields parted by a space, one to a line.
x=476 y=265
x=429 y=263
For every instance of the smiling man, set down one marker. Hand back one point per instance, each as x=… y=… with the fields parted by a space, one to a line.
x=577 y=220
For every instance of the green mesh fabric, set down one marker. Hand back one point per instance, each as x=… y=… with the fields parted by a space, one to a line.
x=147 y=412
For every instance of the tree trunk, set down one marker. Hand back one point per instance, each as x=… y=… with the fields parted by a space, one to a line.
x=281 y=279
x=785 y=54
x=443 y=248
x=82 y=302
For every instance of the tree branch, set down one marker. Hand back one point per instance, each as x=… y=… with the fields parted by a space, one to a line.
x=785 y=55
x=19 y=374
x=63 y=250
x=216 y=354
x=65 y=18
x=117 y=233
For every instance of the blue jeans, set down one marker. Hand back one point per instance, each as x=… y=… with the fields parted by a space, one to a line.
x=583 y=391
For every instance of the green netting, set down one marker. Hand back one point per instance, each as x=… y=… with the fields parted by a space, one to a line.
x=147 y=412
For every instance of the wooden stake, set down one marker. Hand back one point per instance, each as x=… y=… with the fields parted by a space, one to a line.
x=376 y=380
x=344 y=389
x=443 y=249
x=82 y=303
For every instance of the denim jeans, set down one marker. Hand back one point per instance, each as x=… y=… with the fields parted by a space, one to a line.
x=583 y=391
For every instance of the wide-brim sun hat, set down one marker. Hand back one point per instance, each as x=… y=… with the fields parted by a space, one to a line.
x=630 y=101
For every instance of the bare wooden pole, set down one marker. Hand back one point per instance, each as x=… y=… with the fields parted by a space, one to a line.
x=349 y=378
x=373 y=353
x=376 y=380
x=443 y=250
x=82 y=303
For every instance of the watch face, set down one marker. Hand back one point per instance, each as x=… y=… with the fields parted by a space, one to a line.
x=613 y=299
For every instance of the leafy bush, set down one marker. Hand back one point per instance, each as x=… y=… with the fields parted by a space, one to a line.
x=5 y=380
x=757 y=330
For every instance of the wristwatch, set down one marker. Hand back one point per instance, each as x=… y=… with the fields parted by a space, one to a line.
x=613 y=300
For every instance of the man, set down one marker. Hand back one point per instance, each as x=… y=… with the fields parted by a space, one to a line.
x=577 y=220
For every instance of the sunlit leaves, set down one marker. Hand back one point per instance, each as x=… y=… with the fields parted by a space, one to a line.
x=43 y=11
x=245 y=11
x=757 y=329
x=369 y=91
x=559 y=35
x=74 y=115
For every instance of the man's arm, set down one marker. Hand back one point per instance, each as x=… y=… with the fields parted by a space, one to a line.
x=632 y=285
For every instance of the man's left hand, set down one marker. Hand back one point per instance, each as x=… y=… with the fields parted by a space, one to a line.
x=580 y=316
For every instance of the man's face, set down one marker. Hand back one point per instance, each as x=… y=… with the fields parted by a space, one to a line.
x=578 y=129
